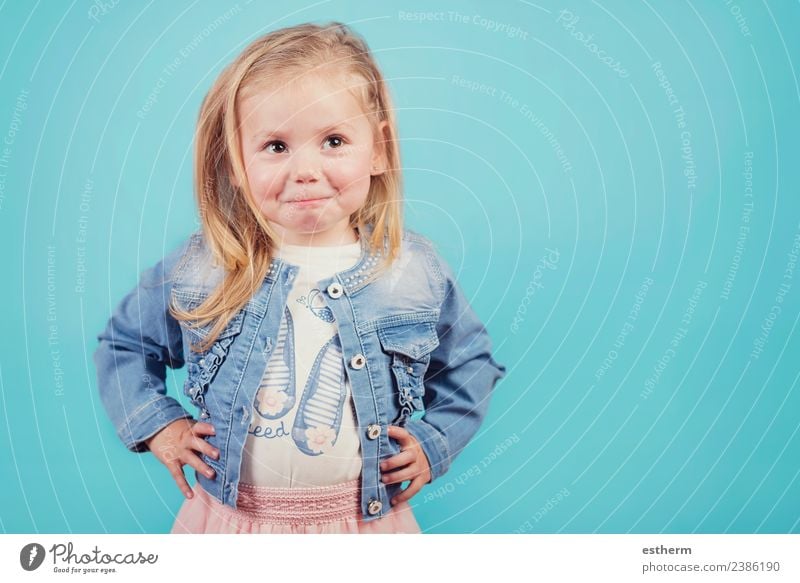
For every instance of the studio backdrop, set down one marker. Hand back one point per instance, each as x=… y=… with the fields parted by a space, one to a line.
x=615 y=184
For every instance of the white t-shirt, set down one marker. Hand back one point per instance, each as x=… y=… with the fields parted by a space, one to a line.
x=303 y=430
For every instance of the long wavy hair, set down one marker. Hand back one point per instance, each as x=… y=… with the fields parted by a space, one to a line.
x=241 y=240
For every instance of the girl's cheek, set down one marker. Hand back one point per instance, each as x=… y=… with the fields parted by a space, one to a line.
x=266 y=183
x=347 y=172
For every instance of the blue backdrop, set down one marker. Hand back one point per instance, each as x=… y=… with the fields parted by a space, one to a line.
x=614 y=182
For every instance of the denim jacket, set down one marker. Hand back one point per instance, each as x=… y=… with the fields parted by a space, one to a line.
x=414 y=351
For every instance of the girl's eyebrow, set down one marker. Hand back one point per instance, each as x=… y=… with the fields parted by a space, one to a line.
x=264 y=134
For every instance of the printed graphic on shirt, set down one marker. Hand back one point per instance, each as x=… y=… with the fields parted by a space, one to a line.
x=276 y=395
x=316 y=304
x=304 y=428
x=319 y=417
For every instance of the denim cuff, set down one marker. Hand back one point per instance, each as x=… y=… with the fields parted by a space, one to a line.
x=433 y=444
x=148 y=420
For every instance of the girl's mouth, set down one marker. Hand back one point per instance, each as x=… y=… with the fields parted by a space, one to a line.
x=308 y=201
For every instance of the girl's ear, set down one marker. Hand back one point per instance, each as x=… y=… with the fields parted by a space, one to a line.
x=379 y=161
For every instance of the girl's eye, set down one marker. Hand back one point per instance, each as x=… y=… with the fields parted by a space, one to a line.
x=335 y=141
x=275 y=147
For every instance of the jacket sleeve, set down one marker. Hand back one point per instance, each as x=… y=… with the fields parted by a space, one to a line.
x=140 y=340
x=459 y=380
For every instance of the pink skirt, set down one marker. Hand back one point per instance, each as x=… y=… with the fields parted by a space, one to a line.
x=315 y=510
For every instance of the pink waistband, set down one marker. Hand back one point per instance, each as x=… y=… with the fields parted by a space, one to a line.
x=312 y=505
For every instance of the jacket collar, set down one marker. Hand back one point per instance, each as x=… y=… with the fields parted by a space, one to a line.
x=353 y=279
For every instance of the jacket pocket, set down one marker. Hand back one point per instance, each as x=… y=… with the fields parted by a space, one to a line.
x=202 y=367
x=409 y=346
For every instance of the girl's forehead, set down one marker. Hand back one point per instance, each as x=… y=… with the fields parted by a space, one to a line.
x=310 y=83
x=318 y=94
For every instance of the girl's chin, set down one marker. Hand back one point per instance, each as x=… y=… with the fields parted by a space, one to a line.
x=305 y=226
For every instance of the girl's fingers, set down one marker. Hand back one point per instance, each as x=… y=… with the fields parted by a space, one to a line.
x=176 y=469
x=198 y=464
x=199 y=444
x=414 y=487
x=403 y=458
x=203 y=428
x=407 y=473
x=400 y=434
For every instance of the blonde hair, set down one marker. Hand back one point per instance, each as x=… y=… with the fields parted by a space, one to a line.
x=239 y=237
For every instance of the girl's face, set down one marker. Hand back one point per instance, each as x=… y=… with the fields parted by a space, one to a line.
x=309 y=153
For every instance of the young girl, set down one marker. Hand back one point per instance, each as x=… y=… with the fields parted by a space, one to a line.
x=330 y=352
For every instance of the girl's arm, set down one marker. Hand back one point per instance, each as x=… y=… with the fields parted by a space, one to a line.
x=459 y=379
x=140 y=340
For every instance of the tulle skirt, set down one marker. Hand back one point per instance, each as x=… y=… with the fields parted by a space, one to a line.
x=313 y=510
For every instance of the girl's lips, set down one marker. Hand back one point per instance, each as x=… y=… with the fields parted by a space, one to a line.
x=309 y=201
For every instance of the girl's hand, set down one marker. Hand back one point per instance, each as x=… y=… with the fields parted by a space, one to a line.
x=412 y=461
x=176 y=444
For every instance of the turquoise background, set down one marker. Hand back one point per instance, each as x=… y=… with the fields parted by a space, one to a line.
x=542 y=147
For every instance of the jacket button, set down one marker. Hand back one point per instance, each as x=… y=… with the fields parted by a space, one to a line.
x=374 y=506
x=358 y=361
x=410 y=369
x=373 y=431
x=334 y=290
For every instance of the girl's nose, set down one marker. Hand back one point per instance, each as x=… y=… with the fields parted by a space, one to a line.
x=306 y=168
x=306 y=176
